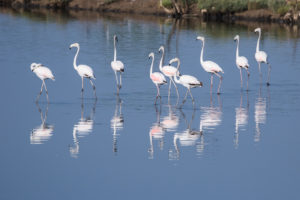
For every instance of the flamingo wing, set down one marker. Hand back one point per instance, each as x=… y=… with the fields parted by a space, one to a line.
x=158 y=78
x=44 y=72
x=242 y=61
x=169 y=70
x=85 y=71
x=212 y=67
x=117 y=66
x=261 y=56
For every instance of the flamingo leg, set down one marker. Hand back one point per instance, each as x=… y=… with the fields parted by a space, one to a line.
x=120 y=80
x=94 y=88
x=117 y=82
x=241 y=77
x=169 y=90
x=191 y=95
x=260 y=75
x=248 y=75
x=221 y=78
x=46 y=91
x=175 y=88
x=38 y=97
x=211 y=82
x=185 y=97
x=157 y=95
x=269 y=70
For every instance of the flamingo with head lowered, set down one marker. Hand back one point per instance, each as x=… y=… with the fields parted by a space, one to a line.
x=167 y=70
x=83 y=71
x=241 y=61
x=210 y=66
x=261 y=56
x=43 y=73
x=157 y=78
x=117 y=65
x=187 y=81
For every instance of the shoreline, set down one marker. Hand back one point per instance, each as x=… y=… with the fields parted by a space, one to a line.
x=152 y=8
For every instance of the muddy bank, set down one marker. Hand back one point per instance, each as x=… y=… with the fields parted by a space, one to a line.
x=150 y=7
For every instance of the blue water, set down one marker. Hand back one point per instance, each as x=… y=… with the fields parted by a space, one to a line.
x=237 y=145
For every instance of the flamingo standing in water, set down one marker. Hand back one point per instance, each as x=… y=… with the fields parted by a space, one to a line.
x=43 y=73
x=261 y=56
x=117 y=66
x=187 y=81
x=210 y=67
x=167 y=70
x=241 y=61
x=84 y=71
x=157 y=78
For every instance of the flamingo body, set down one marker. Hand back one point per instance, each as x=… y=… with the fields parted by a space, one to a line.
x=261 y=56
x=211 y=67
x=189 y=81
x=117 y=66
x=85 y=71
x=41 y=71
x=158 y=78
x=242 y=61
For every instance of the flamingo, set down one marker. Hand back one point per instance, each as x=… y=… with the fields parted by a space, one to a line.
x=117 y=123
x=168 y=71
x=84 y=71
x=210 y=67
x=261 y=56
x=187 y=81
x=43 y=73
x=241 y=61
x=157 y=78
x=117 y=65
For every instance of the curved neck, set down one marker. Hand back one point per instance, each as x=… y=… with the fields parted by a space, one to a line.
x=201 y=55
x=257 y=45
x=161 y=60
x=237 y=48
x=115 y=50
x=151 y=65
x=75 y=59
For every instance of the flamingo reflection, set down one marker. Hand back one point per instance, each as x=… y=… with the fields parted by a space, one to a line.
x=156 y=132
x=82 y=129
x=44 y=132
x=188 y=137
x=211 y=117
x=241 y=119
x=170 y=122
x=260 y=115
x=116 y=123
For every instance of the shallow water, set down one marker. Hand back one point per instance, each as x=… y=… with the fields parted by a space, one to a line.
x=238 y=145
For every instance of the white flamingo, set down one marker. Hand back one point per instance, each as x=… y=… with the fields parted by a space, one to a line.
x=43 y=73
x=157 y=78
x=84 y=71
x=241 y=61
x=261 y=56
x=210 y=67
x=117 y=66
x=186 y=80
x=167 y=70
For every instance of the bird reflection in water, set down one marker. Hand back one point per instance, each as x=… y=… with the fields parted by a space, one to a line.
x=83 y=128
x=241 y=119
x=187 y=138
x=156 y=132
x=260 y=113
x=171 y=121
x=44 y=132
x=117 y=123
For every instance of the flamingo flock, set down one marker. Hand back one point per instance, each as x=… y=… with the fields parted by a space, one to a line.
x=158 y=78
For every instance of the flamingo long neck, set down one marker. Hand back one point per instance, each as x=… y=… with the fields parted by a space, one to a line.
x=115 y=50
x=151 y=65
x=161 y=60
x=175 y=76
x=257 y=45
x=201 y=55
x=237 y=48
x=75 y=59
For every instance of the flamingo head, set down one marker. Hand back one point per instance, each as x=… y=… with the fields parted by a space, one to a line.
x=116 y=38
x=74 y=45
x=33 y=66
x=151 y=55
x=161 y=48
x=200 y=38
x=257 y=30
x=173 y=60
x=237 y=37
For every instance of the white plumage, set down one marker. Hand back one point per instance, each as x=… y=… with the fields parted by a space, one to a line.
x=43 y=73
x=241 y=61
x=117 y=65
x=84 y=71
x=210 y=66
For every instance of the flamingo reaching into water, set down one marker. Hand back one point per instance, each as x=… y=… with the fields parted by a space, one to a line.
x=210 y=67
x=261 y=56
x=84 y=71
x=167 y=70
x=186 y=80
x=43 y=73
x=157 y=78
x=117 y=66
x=241 y=61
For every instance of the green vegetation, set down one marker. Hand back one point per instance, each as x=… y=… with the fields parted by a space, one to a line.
x=167 y=4
x=223 y=5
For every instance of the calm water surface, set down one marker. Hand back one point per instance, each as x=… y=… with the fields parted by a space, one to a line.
x=239 y=145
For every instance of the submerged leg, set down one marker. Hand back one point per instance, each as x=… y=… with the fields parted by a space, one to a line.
x=221 y=78
x=94 y=88
x=38 y=96
x=241 y=77
x=269 y=70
